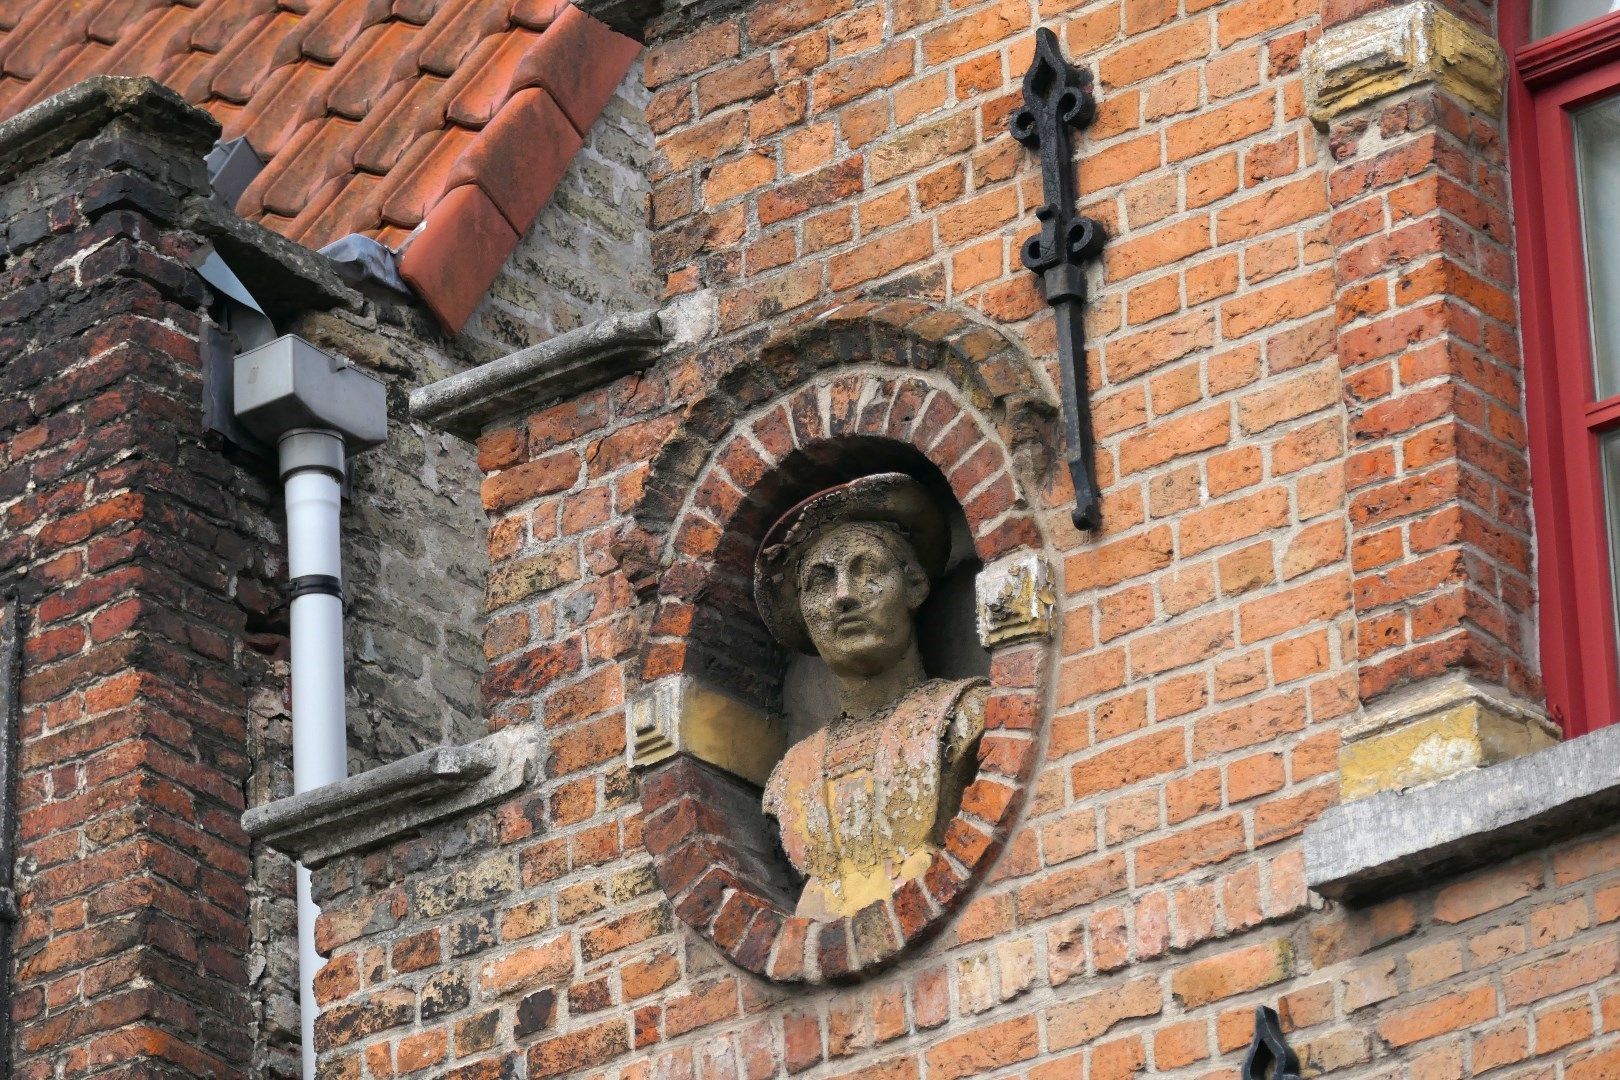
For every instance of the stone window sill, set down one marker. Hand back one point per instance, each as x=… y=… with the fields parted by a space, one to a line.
x=393 y=801
x=1397 y=840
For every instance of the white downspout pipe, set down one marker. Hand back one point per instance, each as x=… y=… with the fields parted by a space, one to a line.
x=314 y=408
x=312 y=474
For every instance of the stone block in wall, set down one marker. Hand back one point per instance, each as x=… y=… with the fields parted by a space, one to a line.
x=679 y=714
x=1436 y=729
x=1381 y=54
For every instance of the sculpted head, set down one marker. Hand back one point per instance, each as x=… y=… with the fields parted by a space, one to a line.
x=843 y=573
x=860 y=586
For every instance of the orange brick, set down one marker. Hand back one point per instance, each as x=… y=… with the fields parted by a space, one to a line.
x=1438 y=1016
x=1180 y=852
x=1166 y=441
x=1092 y=1016
x=1237 y=972
x=983 y=1049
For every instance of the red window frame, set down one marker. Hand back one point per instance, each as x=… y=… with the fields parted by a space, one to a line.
x=1546 y=79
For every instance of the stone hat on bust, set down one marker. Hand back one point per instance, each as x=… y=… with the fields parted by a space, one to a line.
x=892 y=499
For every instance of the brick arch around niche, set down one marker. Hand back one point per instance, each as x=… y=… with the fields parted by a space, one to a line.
x=863 y=389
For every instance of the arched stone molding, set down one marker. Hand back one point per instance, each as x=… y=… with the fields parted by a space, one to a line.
x=863 y=389
x=995 y=372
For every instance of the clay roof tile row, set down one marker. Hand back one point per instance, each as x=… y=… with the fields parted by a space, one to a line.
x=439 y=126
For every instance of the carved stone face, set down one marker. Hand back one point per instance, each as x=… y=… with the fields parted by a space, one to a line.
x=858 y=594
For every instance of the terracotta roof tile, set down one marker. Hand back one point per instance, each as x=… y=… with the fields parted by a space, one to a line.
x=487 y=91
x=246 y=61
x=218 y=23
x=41 y=37
x=110 y=22
x=437 y=262
x=165 y=38
x=415 y=12
x=69 y=66
x=578 y=65
x=429 y=177
x=12 y=12
x=439 y=126
x=456 y=30
x=356 y=197
x=390 y=129
x=291 y=178
x=293 y=94
x=521 y=158
x=537 y=14
x=337 y=26
x=372 y=68
x=393 y=236
x=189 y=69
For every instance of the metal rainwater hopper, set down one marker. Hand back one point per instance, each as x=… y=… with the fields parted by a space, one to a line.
x=291 y=384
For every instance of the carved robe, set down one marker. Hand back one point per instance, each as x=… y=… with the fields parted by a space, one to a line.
x=861 y=803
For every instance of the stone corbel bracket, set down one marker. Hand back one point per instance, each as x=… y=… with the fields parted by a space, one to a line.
x=1015 y=600
x=385 y=804
x=1387 y=52
x=680 y=715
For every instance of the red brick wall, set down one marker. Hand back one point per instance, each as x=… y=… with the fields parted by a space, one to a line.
x=1428 y=343
x=1214 y=637
x=136 y=551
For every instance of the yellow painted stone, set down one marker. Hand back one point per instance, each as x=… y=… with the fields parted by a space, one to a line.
x=681 y=715
x=1466 y=735
x=1015 y=600
x=729 y=734
x=1391 y=50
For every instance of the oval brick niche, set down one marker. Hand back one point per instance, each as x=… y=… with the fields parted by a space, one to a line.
x=860 y=391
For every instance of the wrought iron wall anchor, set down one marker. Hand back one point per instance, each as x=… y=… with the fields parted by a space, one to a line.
x=1058 y=102
x=1269 y=1057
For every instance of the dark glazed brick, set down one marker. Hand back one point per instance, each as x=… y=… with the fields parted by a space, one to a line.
x=912 y=909
x=445 y=992
x=833 y=954
x=698 y=907
x=733 y=918
x=536 y=1012
x=754 y=949
x=944 y=882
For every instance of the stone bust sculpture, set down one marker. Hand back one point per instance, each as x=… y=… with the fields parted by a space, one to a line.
x=863 y=802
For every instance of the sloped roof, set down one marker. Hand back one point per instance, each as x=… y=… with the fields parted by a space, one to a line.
x=439 y=125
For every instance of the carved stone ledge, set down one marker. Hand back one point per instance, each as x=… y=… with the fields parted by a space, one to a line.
x=564 y=367
x=395 y=800
x=1396 y=840
x=680 y=715
x=1387 y=52
x=1015 y=600
x=1435 y=730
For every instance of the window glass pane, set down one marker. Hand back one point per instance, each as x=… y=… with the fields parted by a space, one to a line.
x=1551 y=16
x=1611 y=495
x=1597 y=162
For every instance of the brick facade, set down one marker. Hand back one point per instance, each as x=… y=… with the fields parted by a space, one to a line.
x=1307 y=402
x=131 y=546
